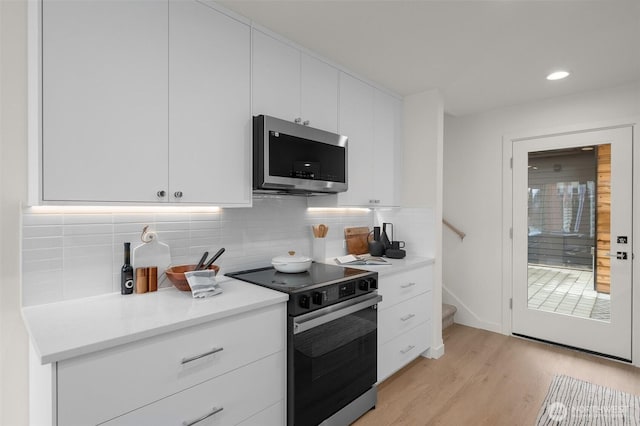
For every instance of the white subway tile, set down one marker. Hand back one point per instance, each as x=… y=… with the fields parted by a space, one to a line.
x=89 y=229
x=82 y=219
x=35 y=219
x=41 y=243
x=42 y=231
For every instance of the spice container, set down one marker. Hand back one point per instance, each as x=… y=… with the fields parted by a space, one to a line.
x=153 y=278
x=142 y=281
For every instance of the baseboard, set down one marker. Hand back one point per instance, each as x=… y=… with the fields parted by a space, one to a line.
x=466 y=316
x=434 y=352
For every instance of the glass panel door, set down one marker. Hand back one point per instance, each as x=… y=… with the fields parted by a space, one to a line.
x=571 y=282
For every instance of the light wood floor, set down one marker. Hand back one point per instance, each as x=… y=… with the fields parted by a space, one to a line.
x=486 y=378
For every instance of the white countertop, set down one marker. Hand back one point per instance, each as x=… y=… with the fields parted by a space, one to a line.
x=67 y=329
x=396 y=265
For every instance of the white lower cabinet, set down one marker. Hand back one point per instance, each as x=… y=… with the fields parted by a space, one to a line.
x=236 y=363
x=404 y=318
x=397 y=353
x=225 y=400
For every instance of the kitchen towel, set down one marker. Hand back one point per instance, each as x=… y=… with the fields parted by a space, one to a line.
x=203 y=283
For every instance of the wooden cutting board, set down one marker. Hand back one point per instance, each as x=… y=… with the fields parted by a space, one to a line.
x=357 y=240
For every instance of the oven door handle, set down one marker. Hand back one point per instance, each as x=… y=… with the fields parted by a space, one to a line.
x=322 y=316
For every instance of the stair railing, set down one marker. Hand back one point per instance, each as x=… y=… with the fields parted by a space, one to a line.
x=454 y=229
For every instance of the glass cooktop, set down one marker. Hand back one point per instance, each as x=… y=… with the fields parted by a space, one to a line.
x=318 y=275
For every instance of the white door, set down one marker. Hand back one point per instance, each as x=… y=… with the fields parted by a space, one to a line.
x=572 y=223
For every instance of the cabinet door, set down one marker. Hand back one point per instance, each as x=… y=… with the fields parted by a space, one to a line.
x=104 y=100
x=209 y=106
x=386 y=136
x=356 y=122
x=319 y=94
x=276 y=78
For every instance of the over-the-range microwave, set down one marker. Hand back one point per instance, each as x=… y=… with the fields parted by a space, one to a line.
x=297 y=159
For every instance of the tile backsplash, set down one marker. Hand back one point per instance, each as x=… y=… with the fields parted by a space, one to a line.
x=70 y=255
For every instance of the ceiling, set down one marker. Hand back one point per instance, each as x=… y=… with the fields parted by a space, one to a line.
x=480 y=54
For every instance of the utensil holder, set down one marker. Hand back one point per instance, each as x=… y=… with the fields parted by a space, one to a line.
x=319 y=249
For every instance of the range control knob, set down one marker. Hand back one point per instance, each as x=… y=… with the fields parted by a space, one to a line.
x=303 y=301
x=373 y=283
x=316 y=297
x=363 y=285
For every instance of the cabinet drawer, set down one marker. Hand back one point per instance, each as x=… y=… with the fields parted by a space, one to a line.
x=97 y=387
x=240 y=394
x=398 y=352
x=403 y=316
x=272 y=416
x=405 y=285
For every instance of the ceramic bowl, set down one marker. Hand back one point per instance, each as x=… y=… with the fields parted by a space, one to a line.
x=291 y=264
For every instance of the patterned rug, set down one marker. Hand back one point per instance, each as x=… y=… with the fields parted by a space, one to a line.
x=571 y=401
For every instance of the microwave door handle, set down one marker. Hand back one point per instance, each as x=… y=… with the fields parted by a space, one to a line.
x=323 y=316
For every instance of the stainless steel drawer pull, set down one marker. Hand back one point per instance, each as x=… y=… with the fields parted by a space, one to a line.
x=193 y=358
x=213 y=412
x=407 y=317
x=407 y=349
x=407 y=285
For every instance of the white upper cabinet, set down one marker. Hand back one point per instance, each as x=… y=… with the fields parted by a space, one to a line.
x=319 y=98
x=356 y=122
x=209 y=107
x=276 y=78
x=104 y=100
x=387 y=133
x=292 y=85
x=371 y=119
x=145 y=101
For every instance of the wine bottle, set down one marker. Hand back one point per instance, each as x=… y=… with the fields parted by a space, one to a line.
x=126 y=274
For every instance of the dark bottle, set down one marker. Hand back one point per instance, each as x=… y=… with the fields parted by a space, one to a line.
x=126 y=274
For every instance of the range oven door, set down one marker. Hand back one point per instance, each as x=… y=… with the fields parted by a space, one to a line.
x=332 y=358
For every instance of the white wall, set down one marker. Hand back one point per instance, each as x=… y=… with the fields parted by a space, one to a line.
x=13 y=174
x=473 y=191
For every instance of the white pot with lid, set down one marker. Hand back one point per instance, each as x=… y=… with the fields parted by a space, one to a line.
x=291 y=263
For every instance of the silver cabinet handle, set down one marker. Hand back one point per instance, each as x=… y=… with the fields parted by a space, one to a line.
x=213 y=412
x=161 y=193
x=407 y=285
x=177 y=194
x=195 y=357
x=322 y=316
x=407 y=317
x=407 y=349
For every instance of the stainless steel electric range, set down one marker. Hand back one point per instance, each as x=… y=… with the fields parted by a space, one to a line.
x=331 y=341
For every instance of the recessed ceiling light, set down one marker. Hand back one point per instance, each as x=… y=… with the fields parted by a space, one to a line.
x=558 y=75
